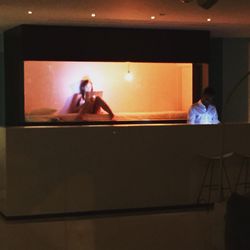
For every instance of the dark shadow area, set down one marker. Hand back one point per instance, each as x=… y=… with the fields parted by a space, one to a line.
x=237 y=230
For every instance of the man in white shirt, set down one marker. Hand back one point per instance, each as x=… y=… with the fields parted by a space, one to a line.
x=203 y=112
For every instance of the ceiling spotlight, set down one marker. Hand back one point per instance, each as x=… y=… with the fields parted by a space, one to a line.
x=209 y=19
x=29 y=12
x=93 y=14
x=206 y=4
x=152 y=17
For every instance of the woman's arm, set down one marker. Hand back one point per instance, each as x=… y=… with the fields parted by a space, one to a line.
x=75 y=103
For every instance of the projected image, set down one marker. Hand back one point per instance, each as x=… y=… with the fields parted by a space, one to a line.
x=106 y=91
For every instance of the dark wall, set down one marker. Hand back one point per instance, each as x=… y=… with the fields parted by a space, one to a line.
x=2 y=96
x=113 y=44
x=14 y=85
x=229 y=63
x=216 y=72
x=235 y=66
x=58 y=43
x=198 y=81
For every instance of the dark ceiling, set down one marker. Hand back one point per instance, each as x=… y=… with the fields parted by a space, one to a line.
x=229 y=18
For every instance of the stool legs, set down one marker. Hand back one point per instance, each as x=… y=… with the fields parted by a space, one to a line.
x=239 y=175
x=243 y=168
x=211 y=183
x=203 y=181
x=227 y=179
x=246 y=176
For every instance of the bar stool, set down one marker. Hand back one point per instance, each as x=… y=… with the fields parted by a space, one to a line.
x=208 y=183
x=243 y=175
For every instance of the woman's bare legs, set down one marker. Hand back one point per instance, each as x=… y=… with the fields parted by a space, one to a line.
x=100 y=103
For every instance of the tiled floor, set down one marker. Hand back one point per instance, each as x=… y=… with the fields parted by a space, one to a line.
x=200 y=230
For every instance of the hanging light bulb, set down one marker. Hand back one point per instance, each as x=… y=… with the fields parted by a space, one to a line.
x=129 y=76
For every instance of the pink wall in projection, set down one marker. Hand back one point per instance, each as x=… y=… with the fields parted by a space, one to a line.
x=155 y=86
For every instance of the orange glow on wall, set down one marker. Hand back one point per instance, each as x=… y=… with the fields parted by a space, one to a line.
x=155 y=87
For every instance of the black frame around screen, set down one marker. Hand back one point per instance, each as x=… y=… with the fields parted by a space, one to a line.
x=67 y=43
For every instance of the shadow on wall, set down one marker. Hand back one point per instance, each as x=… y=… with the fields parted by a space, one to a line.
x=238 y=222
x=1 y=81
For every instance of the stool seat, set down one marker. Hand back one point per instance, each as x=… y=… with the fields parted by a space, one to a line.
x=243 y=155
x=215 y=163
x=218 y=157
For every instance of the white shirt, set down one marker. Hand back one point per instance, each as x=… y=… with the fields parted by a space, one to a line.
x=199 y=114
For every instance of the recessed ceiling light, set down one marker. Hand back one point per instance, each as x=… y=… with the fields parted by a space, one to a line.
x=29 y=12
x=93 y=14
x=152 y=17
x=209 y=19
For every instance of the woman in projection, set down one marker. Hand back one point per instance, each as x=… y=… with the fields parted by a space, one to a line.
x=86 y=102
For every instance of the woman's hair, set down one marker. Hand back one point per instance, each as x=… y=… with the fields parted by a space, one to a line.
x=83 y=84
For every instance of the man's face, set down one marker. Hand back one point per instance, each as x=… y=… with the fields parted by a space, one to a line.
x=207 y=99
